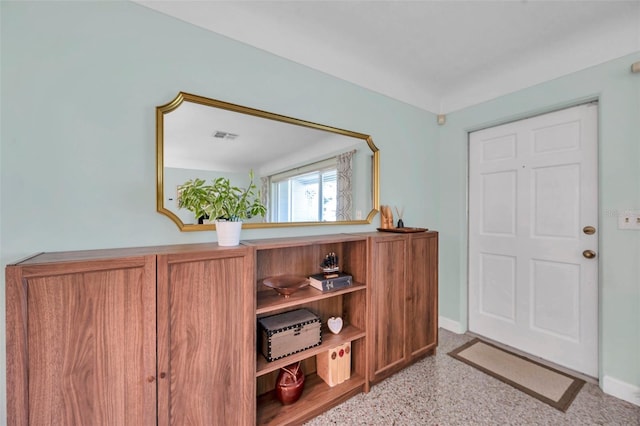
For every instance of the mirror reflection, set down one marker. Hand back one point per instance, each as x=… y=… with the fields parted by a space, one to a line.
x=307 y=173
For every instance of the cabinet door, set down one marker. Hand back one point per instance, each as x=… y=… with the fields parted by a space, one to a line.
x=422 y=295
x=387 y=307
x=81 y=343
x=206 y=340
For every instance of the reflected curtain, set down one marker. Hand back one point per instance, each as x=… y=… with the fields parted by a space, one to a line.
x=264 y=197
x=344 y=187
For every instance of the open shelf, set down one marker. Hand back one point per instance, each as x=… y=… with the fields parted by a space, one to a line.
x=269 y=301
x=316 y=394
x=299 y=256
x=329 y=340
x=308 y=240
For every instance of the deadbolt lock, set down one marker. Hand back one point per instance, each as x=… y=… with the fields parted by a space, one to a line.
x=589 y=230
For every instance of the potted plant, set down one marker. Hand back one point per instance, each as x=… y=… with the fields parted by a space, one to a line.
x=224 y=203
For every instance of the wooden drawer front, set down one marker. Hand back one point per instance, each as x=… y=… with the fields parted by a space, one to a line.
x=388 y=303
x=206 y=341
x=90 y=352
x=422 y=295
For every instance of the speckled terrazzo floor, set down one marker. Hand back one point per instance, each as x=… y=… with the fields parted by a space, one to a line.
x=440 y=390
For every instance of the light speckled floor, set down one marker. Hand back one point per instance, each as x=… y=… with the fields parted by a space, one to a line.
x=440 y=390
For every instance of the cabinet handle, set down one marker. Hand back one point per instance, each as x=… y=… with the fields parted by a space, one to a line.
x=150 y=379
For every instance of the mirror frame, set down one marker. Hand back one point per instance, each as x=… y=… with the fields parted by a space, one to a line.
x=187 y=97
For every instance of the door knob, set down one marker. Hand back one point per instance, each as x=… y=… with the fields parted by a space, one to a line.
x=589 y=230
x=589 y=254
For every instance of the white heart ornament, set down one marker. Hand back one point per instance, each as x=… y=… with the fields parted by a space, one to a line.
x=335 y=324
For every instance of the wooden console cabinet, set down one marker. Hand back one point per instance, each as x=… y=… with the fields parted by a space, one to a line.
x=167 y=335
x=88 y=345
x=403 y=301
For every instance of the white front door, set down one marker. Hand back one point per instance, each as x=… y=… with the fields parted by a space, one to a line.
x=532 y=191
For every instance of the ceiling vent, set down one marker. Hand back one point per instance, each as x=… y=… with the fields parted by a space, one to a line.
x=219 y=134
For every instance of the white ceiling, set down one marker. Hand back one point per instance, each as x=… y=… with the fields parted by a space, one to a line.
x=438 y=55
x=263 y=145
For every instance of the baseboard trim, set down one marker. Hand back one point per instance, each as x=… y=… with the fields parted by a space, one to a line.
x=622 y=390
x=451 y=325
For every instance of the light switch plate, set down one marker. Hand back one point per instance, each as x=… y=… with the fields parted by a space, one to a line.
x=629 y=219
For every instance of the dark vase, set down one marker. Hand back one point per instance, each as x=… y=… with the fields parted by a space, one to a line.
x=290 y=383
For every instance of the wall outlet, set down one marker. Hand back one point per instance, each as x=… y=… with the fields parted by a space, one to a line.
x=629 y=220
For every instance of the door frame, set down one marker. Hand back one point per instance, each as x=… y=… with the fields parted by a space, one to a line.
x=464 y=302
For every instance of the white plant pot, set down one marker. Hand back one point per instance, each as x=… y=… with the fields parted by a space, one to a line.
x=228 y=233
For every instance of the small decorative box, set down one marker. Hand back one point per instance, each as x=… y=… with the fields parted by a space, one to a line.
x=334 y=366
x=289 y=333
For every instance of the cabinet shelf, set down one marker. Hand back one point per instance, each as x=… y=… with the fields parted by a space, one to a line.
x=269 y=301
x=305 y=241
x=329 y=340
x=316 y=394
x=298 y=256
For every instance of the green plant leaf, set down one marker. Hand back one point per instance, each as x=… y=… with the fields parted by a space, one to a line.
x=221 y=200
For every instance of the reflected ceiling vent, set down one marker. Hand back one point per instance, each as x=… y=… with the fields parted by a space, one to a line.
x=219 y=134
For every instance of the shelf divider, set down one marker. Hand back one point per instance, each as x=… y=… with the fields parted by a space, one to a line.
x=269 y=301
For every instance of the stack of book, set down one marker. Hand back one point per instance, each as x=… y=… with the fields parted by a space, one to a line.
x=330 y=281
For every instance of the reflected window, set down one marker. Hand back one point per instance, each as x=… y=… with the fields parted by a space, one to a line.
x=305 y=194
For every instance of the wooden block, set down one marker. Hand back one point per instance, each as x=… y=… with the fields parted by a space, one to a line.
x=334 y=366
x=345 y=362
x=328 y=367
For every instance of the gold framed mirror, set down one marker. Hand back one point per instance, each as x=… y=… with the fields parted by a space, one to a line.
x=308 y=173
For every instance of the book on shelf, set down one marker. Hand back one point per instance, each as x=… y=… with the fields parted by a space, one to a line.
x=334 y=365
x=331 y=281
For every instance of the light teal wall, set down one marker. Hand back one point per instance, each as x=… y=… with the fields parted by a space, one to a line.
x=80 y=83
x=618 y=91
